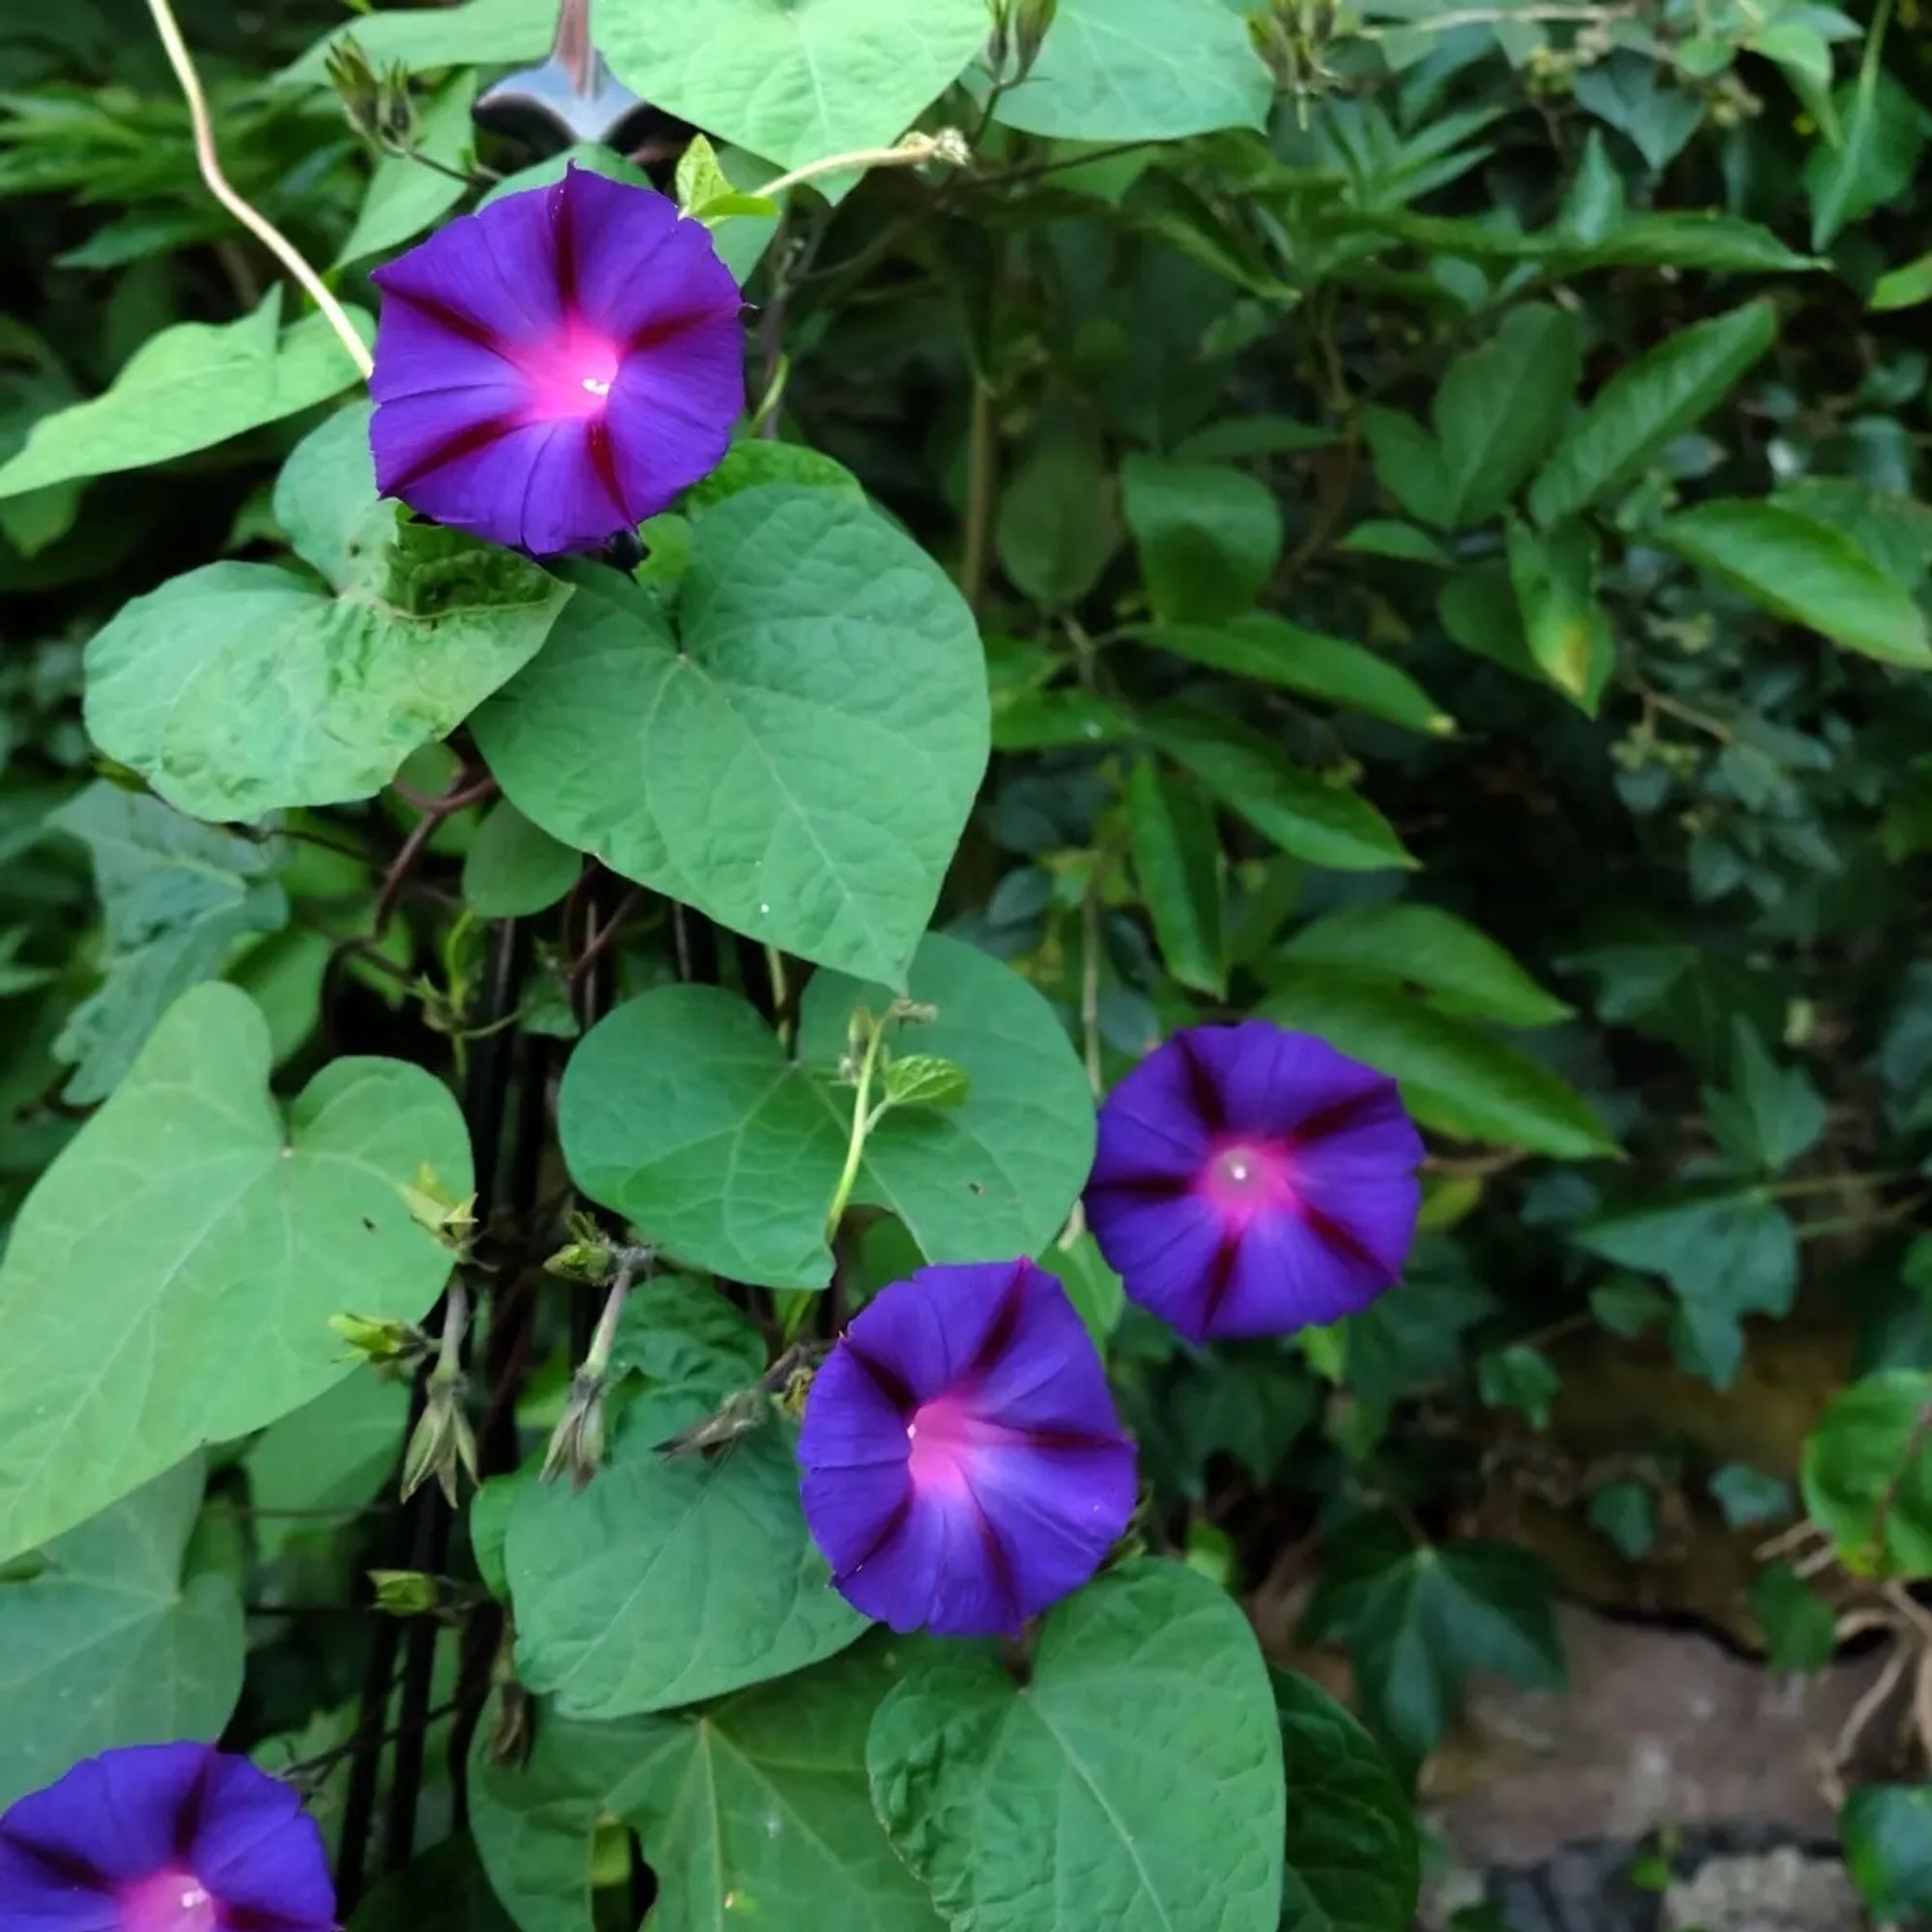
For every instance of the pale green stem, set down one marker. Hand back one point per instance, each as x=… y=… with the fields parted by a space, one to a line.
x=251 y=218
x=947 y=145
x=861 y=1122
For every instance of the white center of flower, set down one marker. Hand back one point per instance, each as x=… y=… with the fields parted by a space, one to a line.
x=191 y=1896
x=1237 y=1169
x=595 y=387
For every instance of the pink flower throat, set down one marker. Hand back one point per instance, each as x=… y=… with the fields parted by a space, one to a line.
x=572 y=374
x=172 y=1900
x=1245 y=1178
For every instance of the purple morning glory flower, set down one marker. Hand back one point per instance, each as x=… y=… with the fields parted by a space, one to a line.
x=556 y=369
x=964 y=1465
x=163 y=1838
x=1251 y=1181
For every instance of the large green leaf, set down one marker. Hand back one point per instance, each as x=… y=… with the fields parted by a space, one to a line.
x=1553 y=574
x=1178 y=859
x=1141 y=71
x=1250 y=775
x=1454 y=1077
x=187 y=389
x=445 y=1889
x=1056 y=528
x=325 y=499
x=214 y=1233
x=799 y=760
x=1625 y=92
x=333 y=1454
x=240 y=689
x=1497 y=411
x=1868 y=1473
x=1083 y=1797
x=514 y=869
x=670 y=1580
x=409 y=193
x=480 y=33
x=1330 y=669
x=1419 y=1621
x=1208 y=536
x=1884 y=136
x=1806 y=572
x=1638 y=411
x=1353 y=1857
x=175 y=899
x=681 y=1111
x=1888 y=1835
x=800 y=81
x=104 y=1641
x=1462 y=969
x=753 y=1810
x=1728 y=1251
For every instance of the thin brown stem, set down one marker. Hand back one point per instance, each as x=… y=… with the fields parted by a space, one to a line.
x=982 y=473
x=466 y=791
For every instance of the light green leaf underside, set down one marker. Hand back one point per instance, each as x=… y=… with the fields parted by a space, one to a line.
x=176 y=896
x=756 y=1810
x=800 y=81
x=1141 y=71
x=235 y=1231
x=187 y=389
x=106 y=1643
x=240 y=689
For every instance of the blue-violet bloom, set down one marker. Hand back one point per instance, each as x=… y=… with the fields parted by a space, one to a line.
x=1251 y=1181
x=554 y=369
x=163 y=1838
x=964 y=1464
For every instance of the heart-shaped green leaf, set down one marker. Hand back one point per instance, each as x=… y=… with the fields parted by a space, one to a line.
x=754 y=1808
x=798 y=761
x=681 y=1111
x=799 y=82
x=104 y=1642
x=1144 y=1732
x=187 y=389
x=671 y=1578
x=170 y=1278
x=240 y=689
x=1141 y=71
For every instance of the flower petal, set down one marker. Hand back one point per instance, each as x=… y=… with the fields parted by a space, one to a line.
x=1046 y=1373
x=1154 y=1124
x=642 y=270
x=492 y=275
x=113 y=1816
x=1272 y=1082
x=1252 y=1181
x=1287 y=1273
x=1164 y=1248
x=39 y=1897
x=1056 y=1514
x=672 y=409
x=928 y=1330
x=258 y=1851
x=964 y=1464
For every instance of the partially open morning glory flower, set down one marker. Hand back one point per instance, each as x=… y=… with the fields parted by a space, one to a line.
x=163 y=1838
x=557 y=368
x=964 y=1465
x=1251 y=1181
